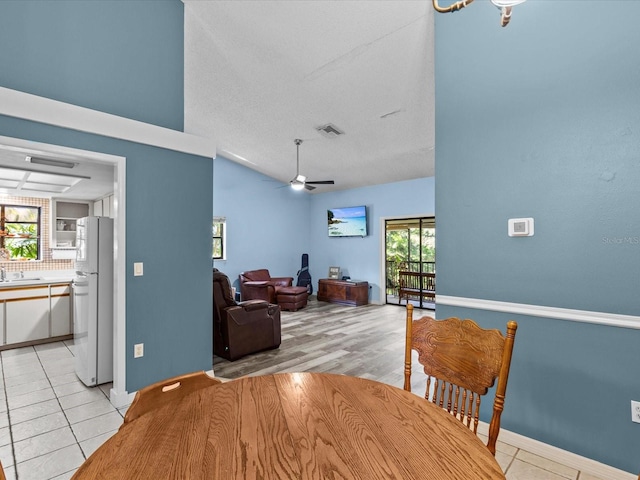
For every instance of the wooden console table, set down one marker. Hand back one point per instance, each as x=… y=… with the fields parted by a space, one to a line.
x=343 y=292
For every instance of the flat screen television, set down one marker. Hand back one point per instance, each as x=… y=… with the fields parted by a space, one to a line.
x=347 y=221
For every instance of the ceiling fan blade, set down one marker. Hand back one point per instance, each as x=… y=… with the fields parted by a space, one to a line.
x=321 y=182
x=301 y=181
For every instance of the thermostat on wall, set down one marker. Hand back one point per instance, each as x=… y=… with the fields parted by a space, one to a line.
x=521 y=227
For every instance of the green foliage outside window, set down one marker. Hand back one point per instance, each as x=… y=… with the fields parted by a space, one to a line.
x=404 y=245
x=20 y=227
x=410 y=244
x=218 y=239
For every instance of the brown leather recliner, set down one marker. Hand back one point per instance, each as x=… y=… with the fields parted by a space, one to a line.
x=260 y=285
x=241 y=328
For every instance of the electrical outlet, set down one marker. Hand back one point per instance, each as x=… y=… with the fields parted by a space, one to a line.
x=635 y=411
x=138 y=350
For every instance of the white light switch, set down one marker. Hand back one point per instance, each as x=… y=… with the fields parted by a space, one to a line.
x=521 y=227
x=137 y=269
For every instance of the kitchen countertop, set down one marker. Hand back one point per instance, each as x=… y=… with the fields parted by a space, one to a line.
x=30 y=280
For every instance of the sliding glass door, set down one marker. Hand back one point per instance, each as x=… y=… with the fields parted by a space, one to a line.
x=410 y=253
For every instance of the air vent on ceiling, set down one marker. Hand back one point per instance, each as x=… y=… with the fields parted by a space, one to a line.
x=329 y=131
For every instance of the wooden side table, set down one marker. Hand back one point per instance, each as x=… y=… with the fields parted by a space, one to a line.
x=343 y=292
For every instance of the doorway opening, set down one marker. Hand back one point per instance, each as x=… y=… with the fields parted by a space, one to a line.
x=115 y=178
x=410 y=261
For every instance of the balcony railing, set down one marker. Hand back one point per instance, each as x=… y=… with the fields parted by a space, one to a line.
x=392 y=269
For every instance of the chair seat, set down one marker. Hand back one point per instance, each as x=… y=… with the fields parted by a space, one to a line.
x=292 y=290
x=259 y=284
x=242 y=328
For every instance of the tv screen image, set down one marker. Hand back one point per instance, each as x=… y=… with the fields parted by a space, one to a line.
x=347 y=221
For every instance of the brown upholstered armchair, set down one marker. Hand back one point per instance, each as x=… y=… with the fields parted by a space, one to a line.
x=260 y=285
x=241 y=328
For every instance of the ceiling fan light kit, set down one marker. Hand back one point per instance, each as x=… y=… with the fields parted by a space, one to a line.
x=505 y=7
x=300 y=182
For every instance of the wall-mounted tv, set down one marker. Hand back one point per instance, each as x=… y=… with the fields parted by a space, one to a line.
x=347 y=221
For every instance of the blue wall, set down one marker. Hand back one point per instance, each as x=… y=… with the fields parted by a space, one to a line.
x=168 y=193
x=541 y=119
x=267 y=224
x=360 y=258
x=119 y=57
x=270 y=227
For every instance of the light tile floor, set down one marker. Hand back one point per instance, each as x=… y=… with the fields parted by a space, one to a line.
x=50 y=422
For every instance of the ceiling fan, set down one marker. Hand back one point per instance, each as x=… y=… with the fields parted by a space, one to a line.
x=300 y=181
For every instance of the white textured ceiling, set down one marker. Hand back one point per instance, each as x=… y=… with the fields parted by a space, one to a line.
x=259 y=74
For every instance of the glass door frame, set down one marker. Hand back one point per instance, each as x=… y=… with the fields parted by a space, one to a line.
x=421 y=265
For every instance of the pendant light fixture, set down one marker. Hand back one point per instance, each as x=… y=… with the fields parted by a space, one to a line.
x=505 y=7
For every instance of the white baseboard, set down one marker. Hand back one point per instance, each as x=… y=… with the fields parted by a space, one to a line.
x=120 y=399
x=559 y=455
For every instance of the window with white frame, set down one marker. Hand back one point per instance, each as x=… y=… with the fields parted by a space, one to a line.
x=219 y=238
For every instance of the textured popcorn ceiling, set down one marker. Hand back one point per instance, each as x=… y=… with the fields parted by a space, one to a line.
x=259 y=74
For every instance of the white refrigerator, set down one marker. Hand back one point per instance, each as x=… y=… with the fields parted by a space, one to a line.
x=93 y=300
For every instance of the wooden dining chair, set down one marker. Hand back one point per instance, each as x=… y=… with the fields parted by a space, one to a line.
x=157 y=394
x=2 y=476
x=462 y=361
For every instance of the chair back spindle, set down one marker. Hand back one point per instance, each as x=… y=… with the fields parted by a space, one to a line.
x=461 y=361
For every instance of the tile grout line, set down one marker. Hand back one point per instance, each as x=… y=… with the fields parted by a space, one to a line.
x=6 y=399
x=57 y=398
x=61 y=407
x=84 y=455
x=59 y=404
x=46 y=374
x=513 y=459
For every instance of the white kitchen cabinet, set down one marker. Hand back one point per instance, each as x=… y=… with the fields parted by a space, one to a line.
x=33 y=313
x=2 y=323
x=27 y=315
x=64 y=215
x=104 y=207
x=61 y=320
x=97 y=208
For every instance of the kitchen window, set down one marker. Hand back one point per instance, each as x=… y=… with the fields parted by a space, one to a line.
x=19 y=232
x=219 y=238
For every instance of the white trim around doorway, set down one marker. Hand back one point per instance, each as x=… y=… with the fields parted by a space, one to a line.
x=382 y=239
x=34 y=108
x=26 y=106
x=118 y=395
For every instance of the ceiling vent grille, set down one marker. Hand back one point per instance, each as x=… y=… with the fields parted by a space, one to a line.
x=329 y=131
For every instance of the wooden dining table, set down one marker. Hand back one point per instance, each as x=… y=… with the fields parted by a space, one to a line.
x=294 y=426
